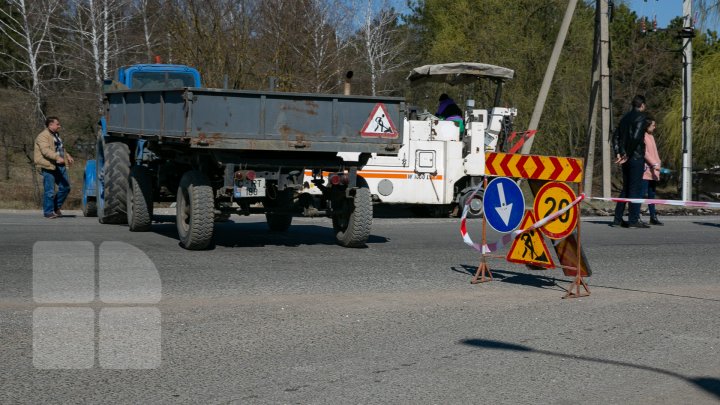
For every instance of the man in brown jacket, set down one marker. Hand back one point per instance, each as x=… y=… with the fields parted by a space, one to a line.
x=50 y=157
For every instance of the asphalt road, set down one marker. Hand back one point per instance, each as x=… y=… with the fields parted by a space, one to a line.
x=294 y=318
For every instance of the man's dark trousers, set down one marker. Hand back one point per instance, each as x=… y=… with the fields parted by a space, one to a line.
x=632 y=185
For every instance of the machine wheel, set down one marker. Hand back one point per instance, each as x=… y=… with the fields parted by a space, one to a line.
x=352 y=217
x=139 y=200
x=476 y=205
x=114 y=181
x=195 y=211
x=279 y=222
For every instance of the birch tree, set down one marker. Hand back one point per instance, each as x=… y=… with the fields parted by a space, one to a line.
x=279 y=31
x=143 y=9
x=215 y=37
x=94 y=25
x=326 y=30
x=27 y=27
x=381 y=43
x=143 y=27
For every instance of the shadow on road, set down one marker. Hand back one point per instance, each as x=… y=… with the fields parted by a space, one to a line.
x=610 y=287
x=708 y=384
x=257 y=234
x=535 y=280
x=713 y=224
x=601 y=221
x=410 y=211
x=513 y=277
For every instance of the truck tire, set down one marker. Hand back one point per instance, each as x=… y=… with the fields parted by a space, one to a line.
x=353 y=220
x=90 y=208
x=476 y=205
x=139 y=200
x=279 y=222
x=195 y=211
x=115 y=175
x=89 y=205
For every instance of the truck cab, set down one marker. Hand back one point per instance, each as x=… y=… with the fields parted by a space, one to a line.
x=154 y=77
x=148 y=76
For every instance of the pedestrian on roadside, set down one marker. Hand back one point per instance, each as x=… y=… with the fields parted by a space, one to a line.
x=629 y=147
x=651 y=176
x=50 y=156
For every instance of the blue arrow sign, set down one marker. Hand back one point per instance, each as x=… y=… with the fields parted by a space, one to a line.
x=503 y=204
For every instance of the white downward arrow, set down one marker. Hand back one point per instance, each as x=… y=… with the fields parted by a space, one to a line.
x=505 y=209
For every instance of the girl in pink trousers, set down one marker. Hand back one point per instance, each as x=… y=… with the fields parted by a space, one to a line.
x=651 y=176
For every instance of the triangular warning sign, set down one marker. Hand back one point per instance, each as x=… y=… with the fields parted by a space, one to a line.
x=530 y=247
x=379 y=124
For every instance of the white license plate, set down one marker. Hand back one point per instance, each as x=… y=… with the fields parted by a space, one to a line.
x=250 y=188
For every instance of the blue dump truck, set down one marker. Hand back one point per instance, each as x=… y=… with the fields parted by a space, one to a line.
x=215 y=152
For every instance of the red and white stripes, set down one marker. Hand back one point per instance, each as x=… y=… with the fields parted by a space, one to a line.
x=508 y=237
x=696 y=204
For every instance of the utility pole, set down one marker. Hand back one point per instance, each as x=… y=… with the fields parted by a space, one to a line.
x=549 y=73
x=687 y=57
x=592 y=113
x=606 y=131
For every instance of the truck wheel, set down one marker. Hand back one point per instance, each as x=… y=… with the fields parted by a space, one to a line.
x=279 y=222
x=353 y=219
x=89 y=208
x=195 y=211
x=139 y=200
x=115 y=174
x=89 y=205
x=476 y=205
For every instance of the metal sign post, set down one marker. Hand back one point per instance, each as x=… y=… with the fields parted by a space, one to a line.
x=483 y=268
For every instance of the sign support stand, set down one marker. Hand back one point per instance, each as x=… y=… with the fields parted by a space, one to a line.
x=574 y=290
x=537 y=169
x=483 y=267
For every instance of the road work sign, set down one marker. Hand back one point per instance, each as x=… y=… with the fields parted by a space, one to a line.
x=503 y=204
x=379 y=124
x=530 y=247
x=534 y=167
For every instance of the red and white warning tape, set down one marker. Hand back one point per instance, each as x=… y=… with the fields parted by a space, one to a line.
x=508 y=237
x=700 y=204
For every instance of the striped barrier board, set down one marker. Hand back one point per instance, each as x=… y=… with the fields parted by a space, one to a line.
x=534 y=167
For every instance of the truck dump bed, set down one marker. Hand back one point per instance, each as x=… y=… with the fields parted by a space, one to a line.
x=246 y=120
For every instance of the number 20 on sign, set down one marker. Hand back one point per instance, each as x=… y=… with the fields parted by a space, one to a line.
x=553 y=197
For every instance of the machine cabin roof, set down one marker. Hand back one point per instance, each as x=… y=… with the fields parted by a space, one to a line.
x=459 y=73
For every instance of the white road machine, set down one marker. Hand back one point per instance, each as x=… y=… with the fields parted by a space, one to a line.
x=437 y=165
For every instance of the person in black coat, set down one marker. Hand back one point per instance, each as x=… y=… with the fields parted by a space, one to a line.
x=629 y=147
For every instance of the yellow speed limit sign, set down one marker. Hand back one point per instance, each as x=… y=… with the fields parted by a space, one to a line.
x=551 y=198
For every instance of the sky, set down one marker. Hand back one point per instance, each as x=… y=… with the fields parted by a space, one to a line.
x=665 y=10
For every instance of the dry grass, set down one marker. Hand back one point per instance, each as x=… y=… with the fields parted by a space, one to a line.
x=19 y=192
